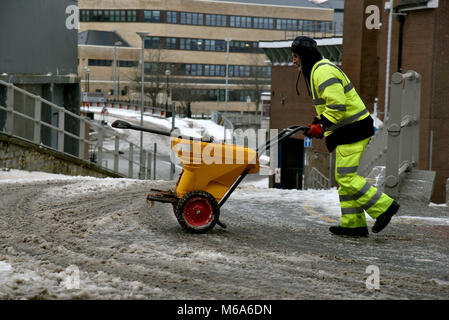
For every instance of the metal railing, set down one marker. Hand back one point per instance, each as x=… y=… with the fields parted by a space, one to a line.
x=317 y=180
x=32 y=118
x=396 y=144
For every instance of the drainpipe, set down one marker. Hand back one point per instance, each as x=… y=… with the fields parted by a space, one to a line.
x=401 y=19
x=387 y=74
x=432 y=103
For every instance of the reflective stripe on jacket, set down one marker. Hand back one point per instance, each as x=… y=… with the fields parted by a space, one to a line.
x=334 y=96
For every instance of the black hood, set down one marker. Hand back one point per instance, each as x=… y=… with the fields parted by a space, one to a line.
x=306 y=49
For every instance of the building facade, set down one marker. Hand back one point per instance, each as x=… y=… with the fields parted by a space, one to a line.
x=418 y=42
x=419 y=36
x=209 y=47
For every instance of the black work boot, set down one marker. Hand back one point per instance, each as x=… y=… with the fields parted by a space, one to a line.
x=384 y=219
x=353 y=232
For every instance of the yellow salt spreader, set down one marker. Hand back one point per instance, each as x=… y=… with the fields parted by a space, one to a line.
x=210 y=173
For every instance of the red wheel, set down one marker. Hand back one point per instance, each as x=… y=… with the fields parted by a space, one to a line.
x=197 y=211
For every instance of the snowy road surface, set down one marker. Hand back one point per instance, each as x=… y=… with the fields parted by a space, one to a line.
x=76 y=237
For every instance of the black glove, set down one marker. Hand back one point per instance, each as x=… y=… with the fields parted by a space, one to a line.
x=316 y=120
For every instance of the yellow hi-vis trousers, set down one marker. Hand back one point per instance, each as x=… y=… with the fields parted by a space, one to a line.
x=356 y=194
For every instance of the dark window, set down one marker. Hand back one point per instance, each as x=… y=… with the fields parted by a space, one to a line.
x=131 y=15
x=185 y=44
x=152 y=43
x=99 y=63
x=232 y=21
x=85 y=15
x=210 y=45
x=170 y=43
x=152 y=16
x=116 y=14
x=152 y=67
x=128 y=64
x=171 y=17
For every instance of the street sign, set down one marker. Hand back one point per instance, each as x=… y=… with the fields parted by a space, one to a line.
x=307 y=142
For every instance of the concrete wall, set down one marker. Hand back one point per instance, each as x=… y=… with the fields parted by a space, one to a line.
x=19 y=154
x=34 y=38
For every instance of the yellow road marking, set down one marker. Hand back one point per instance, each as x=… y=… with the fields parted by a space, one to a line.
x=312 y=212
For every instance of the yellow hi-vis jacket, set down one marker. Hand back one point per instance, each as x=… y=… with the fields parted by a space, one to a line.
x=334 y=96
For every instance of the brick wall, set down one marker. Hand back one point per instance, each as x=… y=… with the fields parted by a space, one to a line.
x=425 y=47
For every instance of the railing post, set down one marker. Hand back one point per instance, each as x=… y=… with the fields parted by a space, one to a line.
x=148 y=175
x=37 y=120
x=131 y=162
x=61 y=128
x=142 y=165
x=407 y=143
x=100 y=139
x=394 y=138
x=81 y=142
x=10 y=108
x=416 y=114
x=154 y=161
x=116 y=153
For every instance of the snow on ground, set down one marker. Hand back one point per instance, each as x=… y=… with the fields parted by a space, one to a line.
x=70 y=230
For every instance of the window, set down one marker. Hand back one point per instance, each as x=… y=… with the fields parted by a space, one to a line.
x=115 y=16
x=193 y=69
x=151 y=43
x=171 y=17
x=291 y=24
x=196 y=44
x=215 y=20
x=281 y=24
x=152 y=16
x=107 y=15
x=85 y=15
x=99 y=63
x=221 y=21
x=152 y=68
x=210 y=45
x=170 y=43
x=221 y=70
x=128 y=64
x=220 y=45
x=131 y=15
x=184 y=44
x=95 y=16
